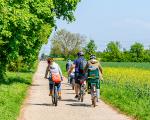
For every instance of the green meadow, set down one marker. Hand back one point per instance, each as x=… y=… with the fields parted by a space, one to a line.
x=12 y=93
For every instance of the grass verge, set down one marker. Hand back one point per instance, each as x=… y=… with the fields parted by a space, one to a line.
x=12 y=93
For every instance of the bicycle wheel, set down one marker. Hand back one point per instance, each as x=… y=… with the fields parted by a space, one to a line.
x=93 y=94
x=53 y=100
x=55 y=96
x=82 y=97
x=94 y=101
x=79 y=96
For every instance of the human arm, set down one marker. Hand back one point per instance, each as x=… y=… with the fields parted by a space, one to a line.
x=101 y=71
x=47 y=70
x=100 y=68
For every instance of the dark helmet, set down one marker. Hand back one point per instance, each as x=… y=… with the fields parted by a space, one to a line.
x=80 y=53
x=92 y=57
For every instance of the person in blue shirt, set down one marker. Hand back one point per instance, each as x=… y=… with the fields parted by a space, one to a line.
x=68 y=65
x=76 y=65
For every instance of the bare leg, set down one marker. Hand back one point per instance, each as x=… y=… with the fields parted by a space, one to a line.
x=76 y=89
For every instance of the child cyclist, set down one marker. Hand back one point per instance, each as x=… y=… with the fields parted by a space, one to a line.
x=96 y=74
x=55 y=75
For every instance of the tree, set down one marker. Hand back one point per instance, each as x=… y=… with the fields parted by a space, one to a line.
x=126 y=57
x=66 y=43
x=147 y=55
x=137 y=52
x=90 y=49
x=112 y=52
x=26 y=24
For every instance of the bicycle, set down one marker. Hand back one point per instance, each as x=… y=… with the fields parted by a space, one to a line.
x=54 y=94
x=72 y=80
x=93 y=94
x=82 y=90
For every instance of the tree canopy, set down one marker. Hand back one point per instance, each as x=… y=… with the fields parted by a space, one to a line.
x=136 y=53
x=25 y=25
x=112 y=52
x=66 y=44
x=90 y=49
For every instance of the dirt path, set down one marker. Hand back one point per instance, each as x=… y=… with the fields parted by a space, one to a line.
x=38 y=104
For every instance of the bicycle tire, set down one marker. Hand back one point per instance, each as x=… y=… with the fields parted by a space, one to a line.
x=82 y=97
x=55 y=96
x=94 y=101
x=53 y=101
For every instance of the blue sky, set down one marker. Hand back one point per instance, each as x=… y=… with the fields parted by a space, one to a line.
x=127 y=21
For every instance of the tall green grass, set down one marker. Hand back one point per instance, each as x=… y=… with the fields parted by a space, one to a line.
x=12 y=93
x=62 y=65
x=127 y=65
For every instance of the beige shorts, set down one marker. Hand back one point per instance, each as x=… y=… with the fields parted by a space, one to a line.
x=77 y=85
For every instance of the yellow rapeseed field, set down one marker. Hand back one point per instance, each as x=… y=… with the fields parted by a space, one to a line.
x=134 y=75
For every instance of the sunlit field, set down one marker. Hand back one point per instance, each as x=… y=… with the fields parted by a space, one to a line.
x=128 y=89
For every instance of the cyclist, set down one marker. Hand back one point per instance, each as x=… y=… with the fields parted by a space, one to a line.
x=68 y=65
x=51 y=69
x=76 y=66
x=72 y=78
x=95 y=64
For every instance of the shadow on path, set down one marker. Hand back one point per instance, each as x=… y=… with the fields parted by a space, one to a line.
x=35 y=85
x=67 y=89
x=79 y=105
x=70 y=93
x=69 y=100
x=40 y=104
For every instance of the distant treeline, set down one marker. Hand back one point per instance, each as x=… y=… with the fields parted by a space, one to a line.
x=113 y=53
x=66 y=45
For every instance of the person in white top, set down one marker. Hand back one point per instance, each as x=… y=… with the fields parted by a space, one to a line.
x=55 y=75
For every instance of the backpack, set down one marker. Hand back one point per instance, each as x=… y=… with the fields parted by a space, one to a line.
x=55 y=75
x=82 y=65
x=93 y=72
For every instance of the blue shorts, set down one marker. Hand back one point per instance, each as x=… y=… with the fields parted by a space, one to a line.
x=57 y=84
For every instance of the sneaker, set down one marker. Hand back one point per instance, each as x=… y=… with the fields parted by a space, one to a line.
x=76 y=96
